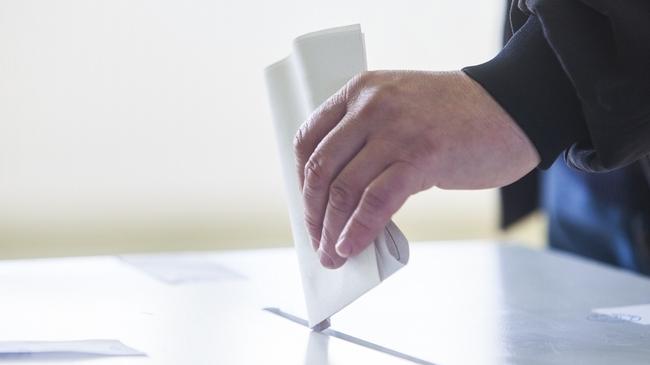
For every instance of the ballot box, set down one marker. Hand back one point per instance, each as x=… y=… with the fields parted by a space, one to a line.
x=454 y=303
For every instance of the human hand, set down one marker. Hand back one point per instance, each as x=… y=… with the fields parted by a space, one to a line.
x=389 y=134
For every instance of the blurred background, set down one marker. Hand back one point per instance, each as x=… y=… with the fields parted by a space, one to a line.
x=142 y=125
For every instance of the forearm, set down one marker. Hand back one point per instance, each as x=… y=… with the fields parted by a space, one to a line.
x=527 y=80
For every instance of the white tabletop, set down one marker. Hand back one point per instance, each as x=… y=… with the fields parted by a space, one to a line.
x=455 y=303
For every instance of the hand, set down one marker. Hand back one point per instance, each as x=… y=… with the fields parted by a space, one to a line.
x=389 y=134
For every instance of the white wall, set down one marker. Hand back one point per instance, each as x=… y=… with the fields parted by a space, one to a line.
x=142 y=112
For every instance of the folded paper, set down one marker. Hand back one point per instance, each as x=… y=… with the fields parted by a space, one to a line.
x=320 y=64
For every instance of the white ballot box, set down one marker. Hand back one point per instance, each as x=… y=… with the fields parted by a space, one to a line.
x=455 y=303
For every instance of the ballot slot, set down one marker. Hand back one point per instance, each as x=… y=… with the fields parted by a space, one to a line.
x=330 y=332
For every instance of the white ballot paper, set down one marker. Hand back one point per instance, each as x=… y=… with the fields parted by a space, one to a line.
x=633 y=313
x=175 y=269
x=88 y=347
x=321 y=63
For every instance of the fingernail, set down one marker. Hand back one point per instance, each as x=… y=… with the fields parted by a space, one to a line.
x=343 y=248
x=325 y=260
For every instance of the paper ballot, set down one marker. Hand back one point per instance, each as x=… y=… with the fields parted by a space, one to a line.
x=89 y=347
x=320 y=64
x=633 y=313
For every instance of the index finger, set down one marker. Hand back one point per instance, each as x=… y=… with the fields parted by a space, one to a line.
x=381 y=199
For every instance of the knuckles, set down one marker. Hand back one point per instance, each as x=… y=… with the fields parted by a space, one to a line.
x=385 y=93
x=375 y=200
x=340 y=196
x=315 y=173
x=379 y=102
x=359 y=81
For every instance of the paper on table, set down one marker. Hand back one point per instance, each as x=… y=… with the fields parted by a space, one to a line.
x=319 y=65
x=94 y=347
x=177 y=269
x=634 y=313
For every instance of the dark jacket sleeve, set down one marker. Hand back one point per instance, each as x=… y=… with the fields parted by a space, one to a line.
x=576 y=77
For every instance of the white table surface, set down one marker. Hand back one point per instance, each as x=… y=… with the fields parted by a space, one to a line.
x=455 y=303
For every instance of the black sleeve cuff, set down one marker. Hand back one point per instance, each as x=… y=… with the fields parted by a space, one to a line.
x=527 y=80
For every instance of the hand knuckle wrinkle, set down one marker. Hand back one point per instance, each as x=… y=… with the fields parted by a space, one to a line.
x=340 y=197
x=314 y=173
x=374 y=200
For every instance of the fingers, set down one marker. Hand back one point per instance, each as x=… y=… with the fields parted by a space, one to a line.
x=380 y=200
x=345 y=193
x=317 y=126
x=330 y=156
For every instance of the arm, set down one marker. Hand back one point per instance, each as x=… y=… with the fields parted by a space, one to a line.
x=527 y=80
x=388 y=135
x=595 y=56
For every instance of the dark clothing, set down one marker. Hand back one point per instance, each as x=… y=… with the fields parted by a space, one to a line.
x=527 y=92
x=575 y=75
x=590 y=61
x=603 y=216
